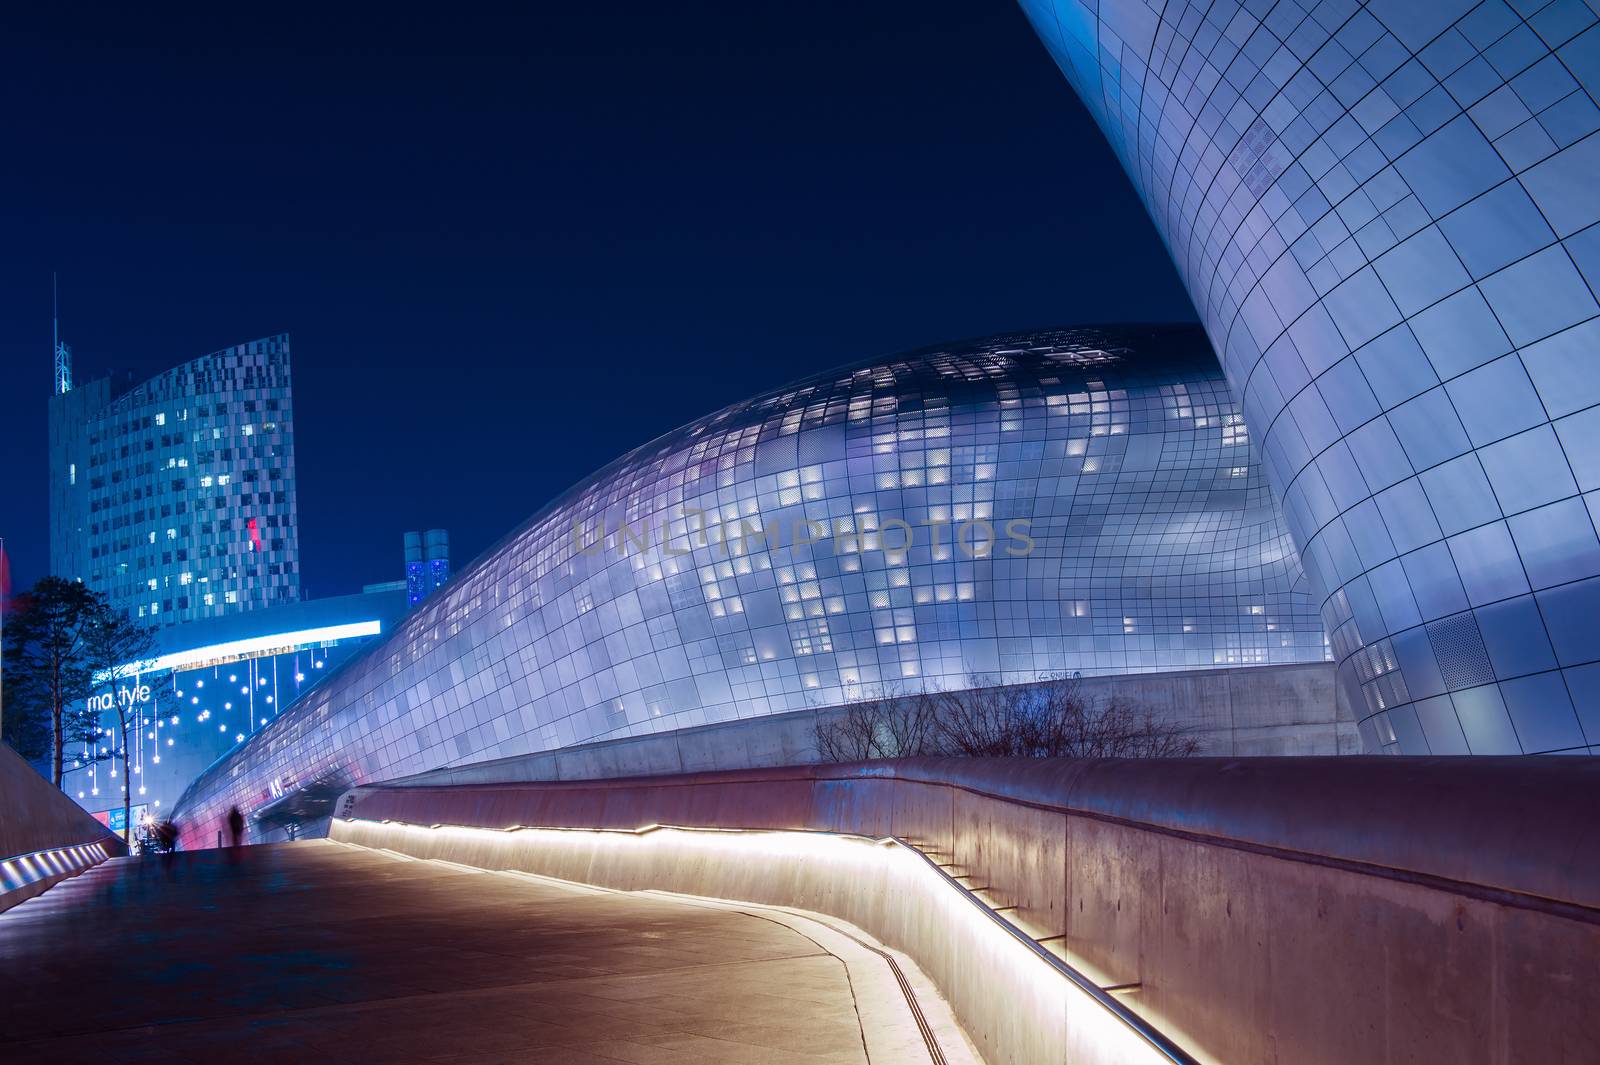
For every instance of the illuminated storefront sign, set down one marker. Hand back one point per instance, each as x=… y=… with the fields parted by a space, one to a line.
x=126 y=695
x=117 y=821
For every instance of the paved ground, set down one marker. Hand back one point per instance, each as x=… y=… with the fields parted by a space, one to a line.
x=320 y=952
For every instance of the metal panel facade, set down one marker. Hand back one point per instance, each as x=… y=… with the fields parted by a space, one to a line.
x=985 y=512
x=1386 y=216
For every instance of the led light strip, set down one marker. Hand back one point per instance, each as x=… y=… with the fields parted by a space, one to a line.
x=799 y=843
x=247 y=648
x=1102 y=996
x=23 y=869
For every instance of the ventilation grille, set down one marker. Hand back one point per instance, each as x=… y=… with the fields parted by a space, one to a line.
x=1463 y=660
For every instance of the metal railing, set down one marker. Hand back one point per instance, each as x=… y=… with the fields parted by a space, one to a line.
x=1140 y=1027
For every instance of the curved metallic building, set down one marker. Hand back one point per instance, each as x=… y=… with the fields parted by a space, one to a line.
x=1079 y=500
x=1385 y=213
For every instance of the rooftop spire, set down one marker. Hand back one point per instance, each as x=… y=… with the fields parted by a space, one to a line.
x=62 y=353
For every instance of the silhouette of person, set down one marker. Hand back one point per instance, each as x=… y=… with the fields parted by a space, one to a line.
x=236 y=826
x=166 y=834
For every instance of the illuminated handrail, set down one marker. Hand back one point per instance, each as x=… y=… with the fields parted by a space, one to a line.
x=1137 y=1025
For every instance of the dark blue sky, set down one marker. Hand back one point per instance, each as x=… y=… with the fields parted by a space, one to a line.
x=510 y=247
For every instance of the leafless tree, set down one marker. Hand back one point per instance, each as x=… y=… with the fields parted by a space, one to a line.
x=893 y=724
x=1058 y=721
x=1049 y=719
x=982 y=720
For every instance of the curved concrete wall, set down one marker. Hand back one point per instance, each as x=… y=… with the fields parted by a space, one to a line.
x=1259 y=710
x=1308 y=910
x=1250 y=711
x=1386 y=215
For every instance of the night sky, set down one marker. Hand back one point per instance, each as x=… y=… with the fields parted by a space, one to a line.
x=510 y=247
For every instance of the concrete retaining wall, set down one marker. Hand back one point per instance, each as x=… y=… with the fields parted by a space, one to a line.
x=1253 y=710
x=44 y=836
x=1250 y=710
x=1271 y=910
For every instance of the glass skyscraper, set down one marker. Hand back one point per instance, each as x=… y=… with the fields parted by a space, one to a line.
x=175 y=496
x=1386 y=216
x=1078 y=501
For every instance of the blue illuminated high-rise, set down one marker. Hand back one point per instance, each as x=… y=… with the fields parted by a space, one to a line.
x=427 y=563
x=176 y=496
x=1386 y=214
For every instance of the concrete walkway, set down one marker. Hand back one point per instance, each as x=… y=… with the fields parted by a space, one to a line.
x=323 y=952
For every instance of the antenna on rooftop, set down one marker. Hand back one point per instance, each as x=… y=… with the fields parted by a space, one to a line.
x=60 y=351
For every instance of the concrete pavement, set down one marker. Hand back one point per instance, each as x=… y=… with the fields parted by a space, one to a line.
x=319 y=951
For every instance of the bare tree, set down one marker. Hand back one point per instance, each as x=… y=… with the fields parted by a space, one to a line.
x=1058 y=721
x=893 y=724
x=911 y=727
x=982 y=720
x=1048 y=719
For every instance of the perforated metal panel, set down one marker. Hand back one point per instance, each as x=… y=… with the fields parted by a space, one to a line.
x=1463 y=660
